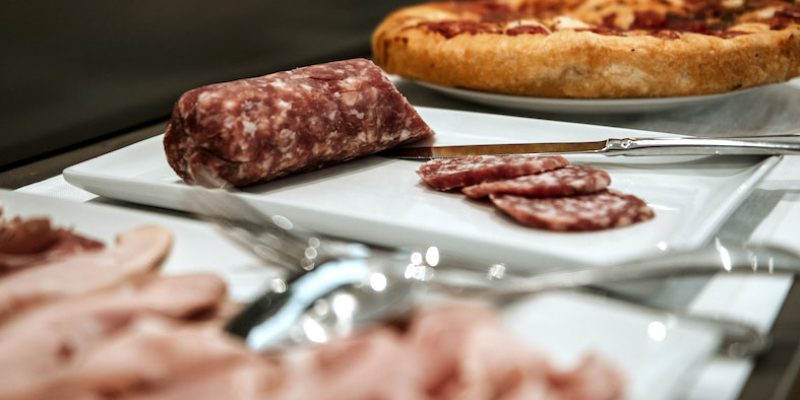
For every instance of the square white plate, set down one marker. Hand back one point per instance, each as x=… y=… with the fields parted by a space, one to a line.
x=383 y=201
x=654 y=355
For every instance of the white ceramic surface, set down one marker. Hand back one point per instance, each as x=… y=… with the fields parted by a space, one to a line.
x=659 y=356
x=383 y=201
x=581 y=106
x=565 y=326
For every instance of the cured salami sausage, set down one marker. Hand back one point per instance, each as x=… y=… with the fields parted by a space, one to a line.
x=451 y=173
x=602 y=210
x=254 y=130
x=567 y=181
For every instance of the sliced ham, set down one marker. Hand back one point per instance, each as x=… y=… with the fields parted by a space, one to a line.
x=158 y=360
x=454 y=352
x=592 y=378
x=104 y=327
x=137 y=252
x=466 y=354
x=32 y=241
x=42 y=343
x=378 y=364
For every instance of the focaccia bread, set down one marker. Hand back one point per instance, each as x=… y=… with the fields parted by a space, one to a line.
x=594 y=48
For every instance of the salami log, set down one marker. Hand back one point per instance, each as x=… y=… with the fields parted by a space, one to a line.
x=602 y=210
x=254 y=130
x=567 y=181
x=451 y=173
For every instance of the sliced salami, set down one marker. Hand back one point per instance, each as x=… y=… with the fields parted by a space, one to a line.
x=602 y=210
x=451 y=173
x=568 y=181
x=258 y=129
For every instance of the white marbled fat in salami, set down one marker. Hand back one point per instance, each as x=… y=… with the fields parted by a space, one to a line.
x=567 y=181
x=254 y=130
x=451 y=173
x=602 y=210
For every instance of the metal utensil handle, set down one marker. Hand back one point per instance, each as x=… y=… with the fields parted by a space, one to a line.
x=265 y=323
x=777 y=145
x=704 y=261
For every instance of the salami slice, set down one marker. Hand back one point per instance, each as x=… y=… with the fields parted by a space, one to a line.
x=602 y=210
x=451 y=173
x=258 y=129
x=567 y=181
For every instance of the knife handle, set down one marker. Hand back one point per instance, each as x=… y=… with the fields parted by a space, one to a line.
x=772 y=145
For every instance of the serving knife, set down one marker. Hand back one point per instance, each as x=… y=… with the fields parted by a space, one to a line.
x=754 y=145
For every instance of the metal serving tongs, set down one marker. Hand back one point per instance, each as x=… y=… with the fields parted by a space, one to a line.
x=359 y=284
x=708 y=260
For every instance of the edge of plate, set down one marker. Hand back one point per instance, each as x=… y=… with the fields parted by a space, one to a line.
x=579 y=106
x=741 y=193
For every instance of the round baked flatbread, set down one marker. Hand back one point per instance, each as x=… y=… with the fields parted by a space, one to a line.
x=594 y=48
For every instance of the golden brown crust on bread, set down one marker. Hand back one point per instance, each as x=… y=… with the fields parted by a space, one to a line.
x=589 y=60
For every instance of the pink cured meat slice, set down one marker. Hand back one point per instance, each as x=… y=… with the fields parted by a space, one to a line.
x=254 y=130
x=602 y=210
x=449 y=353
x=451 y=173
x=32 y=241
x=138 y=252
x=37 y=346
x=567 y=181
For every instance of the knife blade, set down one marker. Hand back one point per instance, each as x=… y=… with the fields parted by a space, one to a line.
x=755 y=145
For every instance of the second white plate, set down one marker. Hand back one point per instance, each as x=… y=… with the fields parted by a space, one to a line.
x=653 y=365
x=581 y=106
x=382 y=200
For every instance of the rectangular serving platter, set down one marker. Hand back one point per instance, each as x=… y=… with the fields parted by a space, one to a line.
x=382 y=200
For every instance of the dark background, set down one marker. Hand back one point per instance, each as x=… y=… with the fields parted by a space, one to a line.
x=76 y=71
